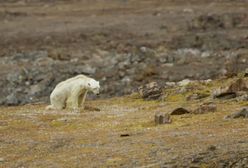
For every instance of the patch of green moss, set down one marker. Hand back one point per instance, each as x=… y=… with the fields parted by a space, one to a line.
x=176 y=98
x=56 y=123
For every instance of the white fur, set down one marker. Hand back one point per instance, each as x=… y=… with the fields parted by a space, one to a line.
x=72 y=92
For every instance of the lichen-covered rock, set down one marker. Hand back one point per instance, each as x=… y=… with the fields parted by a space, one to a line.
x=162 y=119
x=150 y=91
x=206 y=108
x=246 y=72
x=197 y=96
x=243 y=97
x=11 y=99
x=240 y=114
x=180 y=111
x=184 y=82
x=238 y=85
x=223 y=94
x=216 y=21
x=232 y=91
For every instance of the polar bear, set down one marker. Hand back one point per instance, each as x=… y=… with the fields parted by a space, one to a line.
x=71 y=93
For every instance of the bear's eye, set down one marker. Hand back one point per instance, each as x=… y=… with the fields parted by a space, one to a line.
x=88 y=84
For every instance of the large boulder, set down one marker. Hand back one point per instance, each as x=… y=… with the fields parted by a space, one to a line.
x=237 y=88
x=240 y=114
x=150 y=91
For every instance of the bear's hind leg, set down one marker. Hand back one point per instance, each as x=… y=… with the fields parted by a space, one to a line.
x=57 y=103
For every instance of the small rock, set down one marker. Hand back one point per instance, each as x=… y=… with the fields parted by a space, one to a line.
x=207 y=81
x=34 y=89
x=162 y=119
x=12 y=100
x=169 y=64
x=184 y=82
x=205 y=108
x=179 y=111
x=246 y=72
x=188 y=10
x=183 y=90
x=170 y=84
x=59 y=55
x=205 y=54
x=212 y=148
x=243 y=97
x=124 y=135
x=143 y=49
x=1 y=159
x=151 y=91
x=197 y=159
x=241 y=114
x=89 y=108
x=196 y=96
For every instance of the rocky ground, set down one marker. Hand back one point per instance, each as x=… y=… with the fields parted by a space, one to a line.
x=121 y=132
x=122 y=43
x=163 y=53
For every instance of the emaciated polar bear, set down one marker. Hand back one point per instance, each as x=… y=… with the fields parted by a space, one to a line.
x=72 y=92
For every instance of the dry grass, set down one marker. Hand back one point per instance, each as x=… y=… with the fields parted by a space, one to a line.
x=34 y=137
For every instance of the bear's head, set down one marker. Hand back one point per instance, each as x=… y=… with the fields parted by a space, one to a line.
x=94 y=86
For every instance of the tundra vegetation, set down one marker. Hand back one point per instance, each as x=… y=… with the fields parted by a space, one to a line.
x=172 y=73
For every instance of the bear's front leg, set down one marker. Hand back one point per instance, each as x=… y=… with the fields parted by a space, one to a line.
x=72 y=101
x=82 y=98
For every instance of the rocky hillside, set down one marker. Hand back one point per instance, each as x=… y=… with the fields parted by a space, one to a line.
x=174 y=84
x=123 y=44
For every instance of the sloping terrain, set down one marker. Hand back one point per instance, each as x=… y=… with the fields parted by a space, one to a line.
x=124 y=44
x=121 y=43
x=120 y=132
